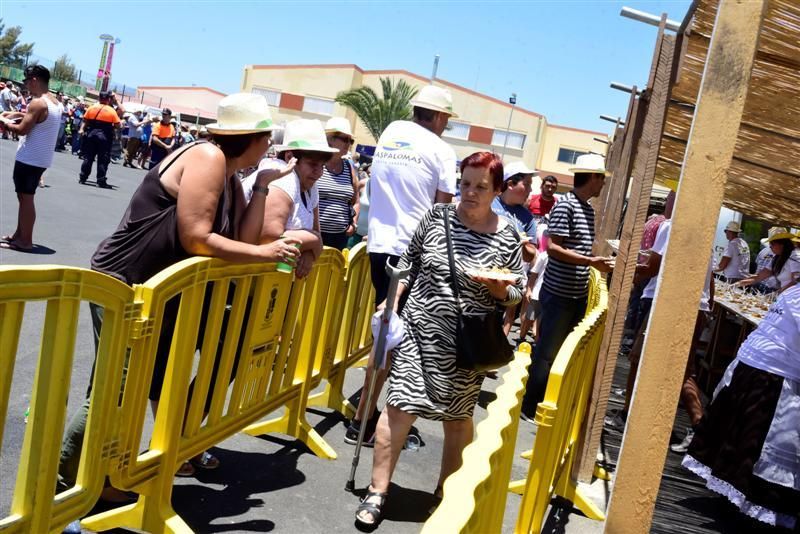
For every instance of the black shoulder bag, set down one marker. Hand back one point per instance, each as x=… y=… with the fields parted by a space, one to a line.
x=481 y=344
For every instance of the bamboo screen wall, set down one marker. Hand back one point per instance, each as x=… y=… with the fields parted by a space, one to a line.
x=764 y=178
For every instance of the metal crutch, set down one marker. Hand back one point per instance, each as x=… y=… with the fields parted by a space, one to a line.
x=395 y=275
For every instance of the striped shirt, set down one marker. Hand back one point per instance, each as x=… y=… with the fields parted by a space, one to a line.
x=336 y=199
x=573 y=220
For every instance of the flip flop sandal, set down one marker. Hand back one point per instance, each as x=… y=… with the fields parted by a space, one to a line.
x=373 y=509
x=7 y=238
x=10 y=245
x=205 y=461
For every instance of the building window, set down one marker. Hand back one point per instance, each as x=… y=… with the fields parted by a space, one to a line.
x=515 y=140
x=273 y=97
x=320 y=106
x=457 y=130
x=567 y=155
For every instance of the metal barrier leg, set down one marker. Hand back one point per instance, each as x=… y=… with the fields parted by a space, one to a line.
x=333 y=396
x=576 y=496
x=293 y=423
x=155 y=519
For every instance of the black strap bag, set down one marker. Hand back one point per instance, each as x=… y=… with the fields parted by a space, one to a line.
x=481 y=344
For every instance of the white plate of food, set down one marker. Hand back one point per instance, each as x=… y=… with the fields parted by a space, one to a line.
x=495 y=273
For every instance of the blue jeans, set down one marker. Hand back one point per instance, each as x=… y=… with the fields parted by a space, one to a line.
x=560 y=315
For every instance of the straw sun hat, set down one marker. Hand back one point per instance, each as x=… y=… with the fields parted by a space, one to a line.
x=734 y=227
x=339 y=125
x=307 y=135
x=434 y=98
x=772 y=231
x=781 y=235
x=242 y=113
x=590 y=163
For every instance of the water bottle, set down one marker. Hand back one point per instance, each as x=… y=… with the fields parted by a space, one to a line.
x=412 y=443
x=27 y=413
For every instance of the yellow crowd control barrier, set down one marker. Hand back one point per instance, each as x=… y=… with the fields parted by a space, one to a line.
x=63 y=289
x=311 y=322
x=559 y=419
x=354 y=339
x=475 y=495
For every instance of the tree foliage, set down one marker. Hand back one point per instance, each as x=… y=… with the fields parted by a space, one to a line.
x=64 y=69
x=11 y=51
x=377 y=113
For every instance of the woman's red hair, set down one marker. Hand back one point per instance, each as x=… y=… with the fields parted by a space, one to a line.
x=489 y=161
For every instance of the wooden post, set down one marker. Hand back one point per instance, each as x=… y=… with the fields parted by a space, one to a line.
x=709 y=152
x=644 y=171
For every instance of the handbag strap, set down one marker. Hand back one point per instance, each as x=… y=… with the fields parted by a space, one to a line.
x=451 y=256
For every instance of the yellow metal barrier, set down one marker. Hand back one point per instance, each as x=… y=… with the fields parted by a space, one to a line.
x=253 y=296
x=559 y=418
x=475 y=495
x=354 y=339
x=34 y=508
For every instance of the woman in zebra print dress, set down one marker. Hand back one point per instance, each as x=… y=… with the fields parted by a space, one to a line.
x=424 y=380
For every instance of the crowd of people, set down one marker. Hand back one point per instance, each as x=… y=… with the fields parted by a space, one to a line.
x=246 y=190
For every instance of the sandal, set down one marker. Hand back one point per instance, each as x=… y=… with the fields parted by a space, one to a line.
x=372 y=508
x=186 y=470
x=205 y=460
x=438 y=495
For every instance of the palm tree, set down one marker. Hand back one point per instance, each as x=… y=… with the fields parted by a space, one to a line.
x=377 y=113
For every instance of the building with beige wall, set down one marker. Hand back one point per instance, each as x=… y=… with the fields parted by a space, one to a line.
x=308 y=91
x=191 y=102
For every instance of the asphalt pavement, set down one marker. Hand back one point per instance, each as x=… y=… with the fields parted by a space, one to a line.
x=264 y=484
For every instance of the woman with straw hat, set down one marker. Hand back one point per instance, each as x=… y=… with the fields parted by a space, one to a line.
x=191 y=203
x=292 y=207
x=785 y=267
x=338 y=188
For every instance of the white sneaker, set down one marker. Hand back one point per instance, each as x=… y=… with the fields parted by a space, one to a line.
x=683 y=446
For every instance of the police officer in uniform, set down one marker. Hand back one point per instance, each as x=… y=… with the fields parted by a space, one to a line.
x=98 y=126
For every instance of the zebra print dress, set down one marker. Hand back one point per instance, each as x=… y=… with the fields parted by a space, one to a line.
x=424 y=379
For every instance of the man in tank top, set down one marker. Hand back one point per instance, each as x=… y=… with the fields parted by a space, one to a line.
x=38 y=130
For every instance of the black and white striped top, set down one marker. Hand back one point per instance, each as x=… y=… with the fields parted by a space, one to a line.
x=336 y=199
x=572 y=219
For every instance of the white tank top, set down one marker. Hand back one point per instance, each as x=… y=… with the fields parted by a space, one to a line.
x=37 y=147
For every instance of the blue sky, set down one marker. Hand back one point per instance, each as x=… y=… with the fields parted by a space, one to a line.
x=559 y=57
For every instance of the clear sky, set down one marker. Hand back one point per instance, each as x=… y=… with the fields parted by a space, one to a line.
x=558 y=56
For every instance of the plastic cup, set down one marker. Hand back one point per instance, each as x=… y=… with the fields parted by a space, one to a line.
x=283 y=267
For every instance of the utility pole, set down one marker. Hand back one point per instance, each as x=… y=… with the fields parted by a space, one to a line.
x=513 y=101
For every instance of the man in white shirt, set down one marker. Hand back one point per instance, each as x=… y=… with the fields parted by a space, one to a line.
x=412 y=169
x=735 y=262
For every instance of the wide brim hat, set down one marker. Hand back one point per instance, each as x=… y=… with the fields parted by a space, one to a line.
x=590 y=163
x=307 y=135
x=516 y=167
x=781 y=235
x=734 y=227
x=339 y=125
x=434 y=98
x=242 y=113
x=772 y=231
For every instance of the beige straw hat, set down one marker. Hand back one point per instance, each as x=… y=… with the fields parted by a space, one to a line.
x=434 y=98
x=307 y=135
x=242 y=113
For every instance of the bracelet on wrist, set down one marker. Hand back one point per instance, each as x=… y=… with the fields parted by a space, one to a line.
x=261 y=189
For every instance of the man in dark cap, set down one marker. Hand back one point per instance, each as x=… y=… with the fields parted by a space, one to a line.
x=98 y=126
x=162 y=140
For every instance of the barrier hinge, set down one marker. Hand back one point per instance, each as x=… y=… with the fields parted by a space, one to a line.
x=140 y=327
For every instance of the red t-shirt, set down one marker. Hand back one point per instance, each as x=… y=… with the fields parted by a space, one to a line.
x=539 y=206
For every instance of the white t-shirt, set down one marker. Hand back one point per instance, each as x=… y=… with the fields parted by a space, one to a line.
x=250 y=180
x=790 y=270
x=739 y=253
x=409 y=166
x=302 y=216
x=538 y=269
x=660 y=247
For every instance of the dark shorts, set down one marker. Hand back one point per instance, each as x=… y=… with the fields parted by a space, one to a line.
x=26 y=178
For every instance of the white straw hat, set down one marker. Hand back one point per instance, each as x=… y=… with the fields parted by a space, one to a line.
x=307 y=135
x=514 y=168
x=339 y=125
x=734 y=227
x=434 y=98
x=590 y=163
x=242 y=113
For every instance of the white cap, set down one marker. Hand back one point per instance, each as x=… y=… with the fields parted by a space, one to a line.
x=514 y=168
x=242 y=113
x=590 y=163
x=434 y=98
x=339 y=125
x=307 y=135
